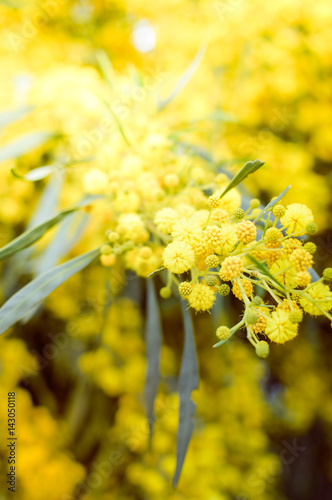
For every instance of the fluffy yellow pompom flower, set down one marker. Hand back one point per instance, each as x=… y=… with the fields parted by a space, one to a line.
x=301 y=259
x=108 y=260
x=303 y=278
x=201 y=297
x=247 y=287
x=296 y=218
x=165 y=220
x=318 y=292
x=171 y=180
x=219 y=215
x=187 y=230
x=231 y=268
x=223 y=332
x=284 y=273
x=95 y=181
x=229 y=237
x=231 y=201
x=278 y=327
x=131 y=227
x=178 y=257
x=214 y=201
x=214 y=239
x=246 y=231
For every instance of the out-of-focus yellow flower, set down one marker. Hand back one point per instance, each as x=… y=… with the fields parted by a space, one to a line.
x=178 y=257
x=296 y=218
x=320 y=293
x=279 y=329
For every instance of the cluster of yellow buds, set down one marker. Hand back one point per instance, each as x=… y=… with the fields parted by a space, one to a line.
x=261 y=256
x=190 y=221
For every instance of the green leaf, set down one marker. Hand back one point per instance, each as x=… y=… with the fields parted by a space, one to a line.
x=45 y=208
x=249 y=168
x=23 y=145
x=265 y=271
x=32 y=235
x=117 y=121
x=153 y=338
x=188 y=381
x=105 y=66
x=62 y=242
x=13 y=115
x=36 y=174
x=29 y=237
x=21 y=302
x=272 y=203
x=185 y=78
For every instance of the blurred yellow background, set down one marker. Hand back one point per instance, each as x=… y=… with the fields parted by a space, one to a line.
x=261 y=88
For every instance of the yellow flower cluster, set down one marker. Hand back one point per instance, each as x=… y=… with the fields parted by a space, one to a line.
x=261 y=252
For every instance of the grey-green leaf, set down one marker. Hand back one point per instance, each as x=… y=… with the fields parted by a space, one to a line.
x=153 y=337
x=30 y=236
x=188 y=381
x=21 y=302
x=23 y=145
x=265 y=271
x=272 y=203
x=249 y=168
x=13 y=115
x=33 y=234
x=36 y=174
x=185 y=78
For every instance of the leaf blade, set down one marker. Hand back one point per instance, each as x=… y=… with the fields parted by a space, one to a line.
x=24 y=144
x=272 y=203
x=265 y=270
x=248 y=168
x=13 y=115
x=185 y=78
x=31 y=235
x=188 y=381
x=27 y=297
x=153 y=336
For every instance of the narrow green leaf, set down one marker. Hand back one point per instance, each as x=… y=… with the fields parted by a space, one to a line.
x=21 y=302
x=32 y=235
x=36 y=174
x=117 y=121
x=188 y=381
x=23 y=145
x=265 y=271
x=13 y=115
x=153 y=338
x=29 y=237
x=185 y=78
x=272 y=203
x=249 y=168
x=105 y=66
x=63 y=241
x=45 y=208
